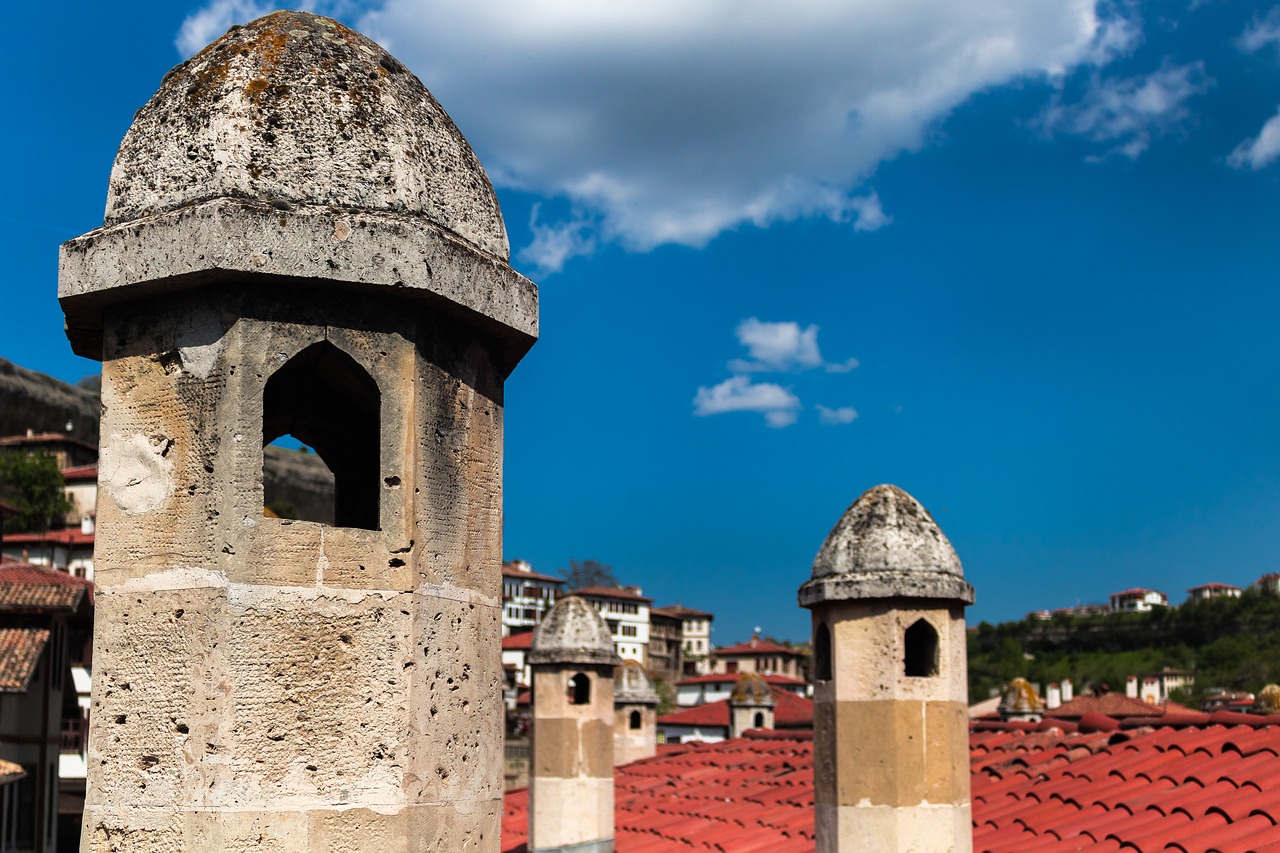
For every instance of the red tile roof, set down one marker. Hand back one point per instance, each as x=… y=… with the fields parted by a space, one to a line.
x=43 y=438
x=1053 y=786
x=745 y=795
x=50 y=537
x=610 y=592
x=732 y=677
x=755 y=647
x=789 y=712
x=27 y=587
x=1115 y=705
x=81 y=472
x=20 y=650
x=523 y=640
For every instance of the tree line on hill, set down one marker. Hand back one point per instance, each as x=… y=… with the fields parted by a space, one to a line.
x=1229 y=643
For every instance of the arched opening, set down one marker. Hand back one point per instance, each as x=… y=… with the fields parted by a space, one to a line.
x=757 y=722
x=920 y=650
x=579 y=692
x=634 y=722
x=822 y=652
x=328 y=402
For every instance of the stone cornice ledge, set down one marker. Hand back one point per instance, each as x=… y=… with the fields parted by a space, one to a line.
x=886 y=583
x=235 y=239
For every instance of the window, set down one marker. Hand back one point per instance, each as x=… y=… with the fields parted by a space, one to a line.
x=920 y=650
x=758 y=721
x=327 y=401
x=634 y=722
x=822 y=652
x=628 y=630
x=579 y=692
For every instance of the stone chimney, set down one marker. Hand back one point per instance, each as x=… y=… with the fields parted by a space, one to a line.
x=1068 y=690
x=1021 y=702
x=750 y=704
x=635 y=706
x=298 y=240
x=1052 y=696
x=1131 y=686
x=571 y=789
x=891 y=769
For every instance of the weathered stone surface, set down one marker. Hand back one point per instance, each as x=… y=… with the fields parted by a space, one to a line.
x=886 y=545
x=573 y=632
x=296 y=109
x=633 y=686
x=227 y=240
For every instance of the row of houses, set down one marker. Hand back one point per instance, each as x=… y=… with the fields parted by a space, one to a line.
x=1142 y=600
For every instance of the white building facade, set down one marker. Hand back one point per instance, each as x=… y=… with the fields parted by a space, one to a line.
x=626 y=611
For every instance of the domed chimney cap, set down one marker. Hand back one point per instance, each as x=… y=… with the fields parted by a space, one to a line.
x=633 y=686
x=751 y=689
x=886 y=546
x=295 y=109
x=573 y=632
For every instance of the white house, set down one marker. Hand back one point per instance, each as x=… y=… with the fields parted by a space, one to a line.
x=1137 y=600
x=626 y=611
x=526 y=596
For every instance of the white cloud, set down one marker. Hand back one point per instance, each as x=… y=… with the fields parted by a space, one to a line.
x=776 y=347
x=782 y=347
x=869 y=215
x=665 y=121
x=1262 y=150
x=555 y=244
x=1261 y=33
x=1129 y=112
x=739 y=394
x=842 y=415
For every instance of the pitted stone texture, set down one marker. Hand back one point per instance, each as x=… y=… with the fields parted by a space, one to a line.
x=633 y=686
x=573 y=632
x=886 y=545
x=294 y=109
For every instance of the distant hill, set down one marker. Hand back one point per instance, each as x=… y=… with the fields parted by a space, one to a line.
x=1231 y=643
x=30 y=400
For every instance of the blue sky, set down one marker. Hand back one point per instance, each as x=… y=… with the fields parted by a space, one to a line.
x=1016 y=257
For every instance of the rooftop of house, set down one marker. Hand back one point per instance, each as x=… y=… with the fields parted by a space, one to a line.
x=20 y=650
x=679 y=611
x=611 y=592
x=1115 y=705
x=520 y=569
x=789 y=712
x=70 y=536
x=1136 y=591
x=732 y=678
x=37 y=439
x=756 y=646
x=1214 y=585
x=24 y=587
x=1203 y=783
x=81 y=473
x=522 y=640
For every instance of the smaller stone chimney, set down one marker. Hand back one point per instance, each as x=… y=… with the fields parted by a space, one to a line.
x=571 y=786
x=1021 y=702
x=750 y=704
x=1131 y=686
x=635 y=705
x=1053 y=696
x=1150 y=690
x=1068 y=690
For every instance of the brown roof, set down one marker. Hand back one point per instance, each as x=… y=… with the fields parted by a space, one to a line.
x=510 y=571
x=610 y=592
x=755 y=647
x=81 y=472
x=679 y=611
x=20 y=650
x=522 y=640
x=1111 y=704
x=27 y=587
x=43 y=438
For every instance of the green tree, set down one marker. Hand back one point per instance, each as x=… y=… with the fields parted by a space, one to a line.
x=33 y=484
x=584 y=573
